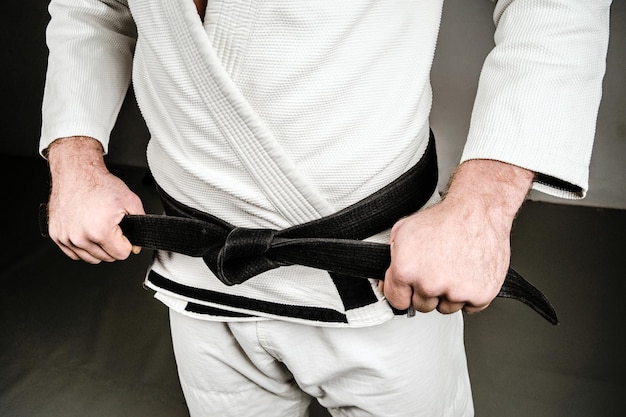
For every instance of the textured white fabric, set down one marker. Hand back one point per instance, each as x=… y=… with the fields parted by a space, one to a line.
x=540 y=89
x=91 y=47
x=273 y=368
x=256 y=158
x=276 y=112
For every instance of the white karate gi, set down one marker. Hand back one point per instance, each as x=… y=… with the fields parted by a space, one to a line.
x=273 y=113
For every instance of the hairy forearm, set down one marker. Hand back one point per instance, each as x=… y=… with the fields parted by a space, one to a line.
x=497 y=189
x=74 y=153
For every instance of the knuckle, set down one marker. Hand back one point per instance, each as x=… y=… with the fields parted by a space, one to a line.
x=95 y=234
x=472 y=309
x=445 y=308
x=63 y=239
x=78 y=240
x=137 y=202
x=428 y=291
x=455 y=296
x=483 y=299
x=430 y=287
x=70 y=254
x=401 y=273
x=425 y=305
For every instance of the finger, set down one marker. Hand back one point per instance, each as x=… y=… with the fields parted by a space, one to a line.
x=397 y=293
x=82 y=249
x=88 y=257
x=78 y=254
x=68 y=252
x=117 y=246
x=470 y=309
x=134 y=205
x=91 y=252
x=424 y=304
x=447 y=307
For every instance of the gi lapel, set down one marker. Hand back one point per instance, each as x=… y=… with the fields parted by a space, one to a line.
x=258 y=150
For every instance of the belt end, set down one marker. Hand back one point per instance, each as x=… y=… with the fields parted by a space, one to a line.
x=43 y=220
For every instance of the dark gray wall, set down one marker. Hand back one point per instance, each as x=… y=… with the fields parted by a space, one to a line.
x=24 y=55
x=466 y=38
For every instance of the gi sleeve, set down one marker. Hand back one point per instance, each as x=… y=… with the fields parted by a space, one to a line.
x=91 y=45
x=540 y=89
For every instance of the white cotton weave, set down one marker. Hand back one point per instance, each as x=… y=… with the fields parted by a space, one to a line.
x=273 y=113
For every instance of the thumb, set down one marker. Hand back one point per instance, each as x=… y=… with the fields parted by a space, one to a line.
x=134 y=206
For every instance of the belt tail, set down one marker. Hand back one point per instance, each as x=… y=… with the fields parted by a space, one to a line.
x=371 y=260
x=517 y=288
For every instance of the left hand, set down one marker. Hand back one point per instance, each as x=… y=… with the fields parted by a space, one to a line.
x=455 y=254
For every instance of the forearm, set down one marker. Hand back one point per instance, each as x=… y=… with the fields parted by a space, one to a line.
x=490 y=188
x=72 y=153
x=76 y=164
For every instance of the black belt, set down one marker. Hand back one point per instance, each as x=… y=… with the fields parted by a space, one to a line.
x=333 y=243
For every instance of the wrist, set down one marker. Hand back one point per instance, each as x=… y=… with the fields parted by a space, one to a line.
x=492 y=188
x=72 y=152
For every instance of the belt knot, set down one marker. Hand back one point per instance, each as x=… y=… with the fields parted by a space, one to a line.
x=242 y=255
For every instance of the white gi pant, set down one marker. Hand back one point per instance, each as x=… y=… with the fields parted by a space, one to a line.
x=273 y=368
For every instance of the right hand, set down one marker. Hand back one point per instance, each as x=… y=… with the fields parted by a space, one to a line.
x=87 y=203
